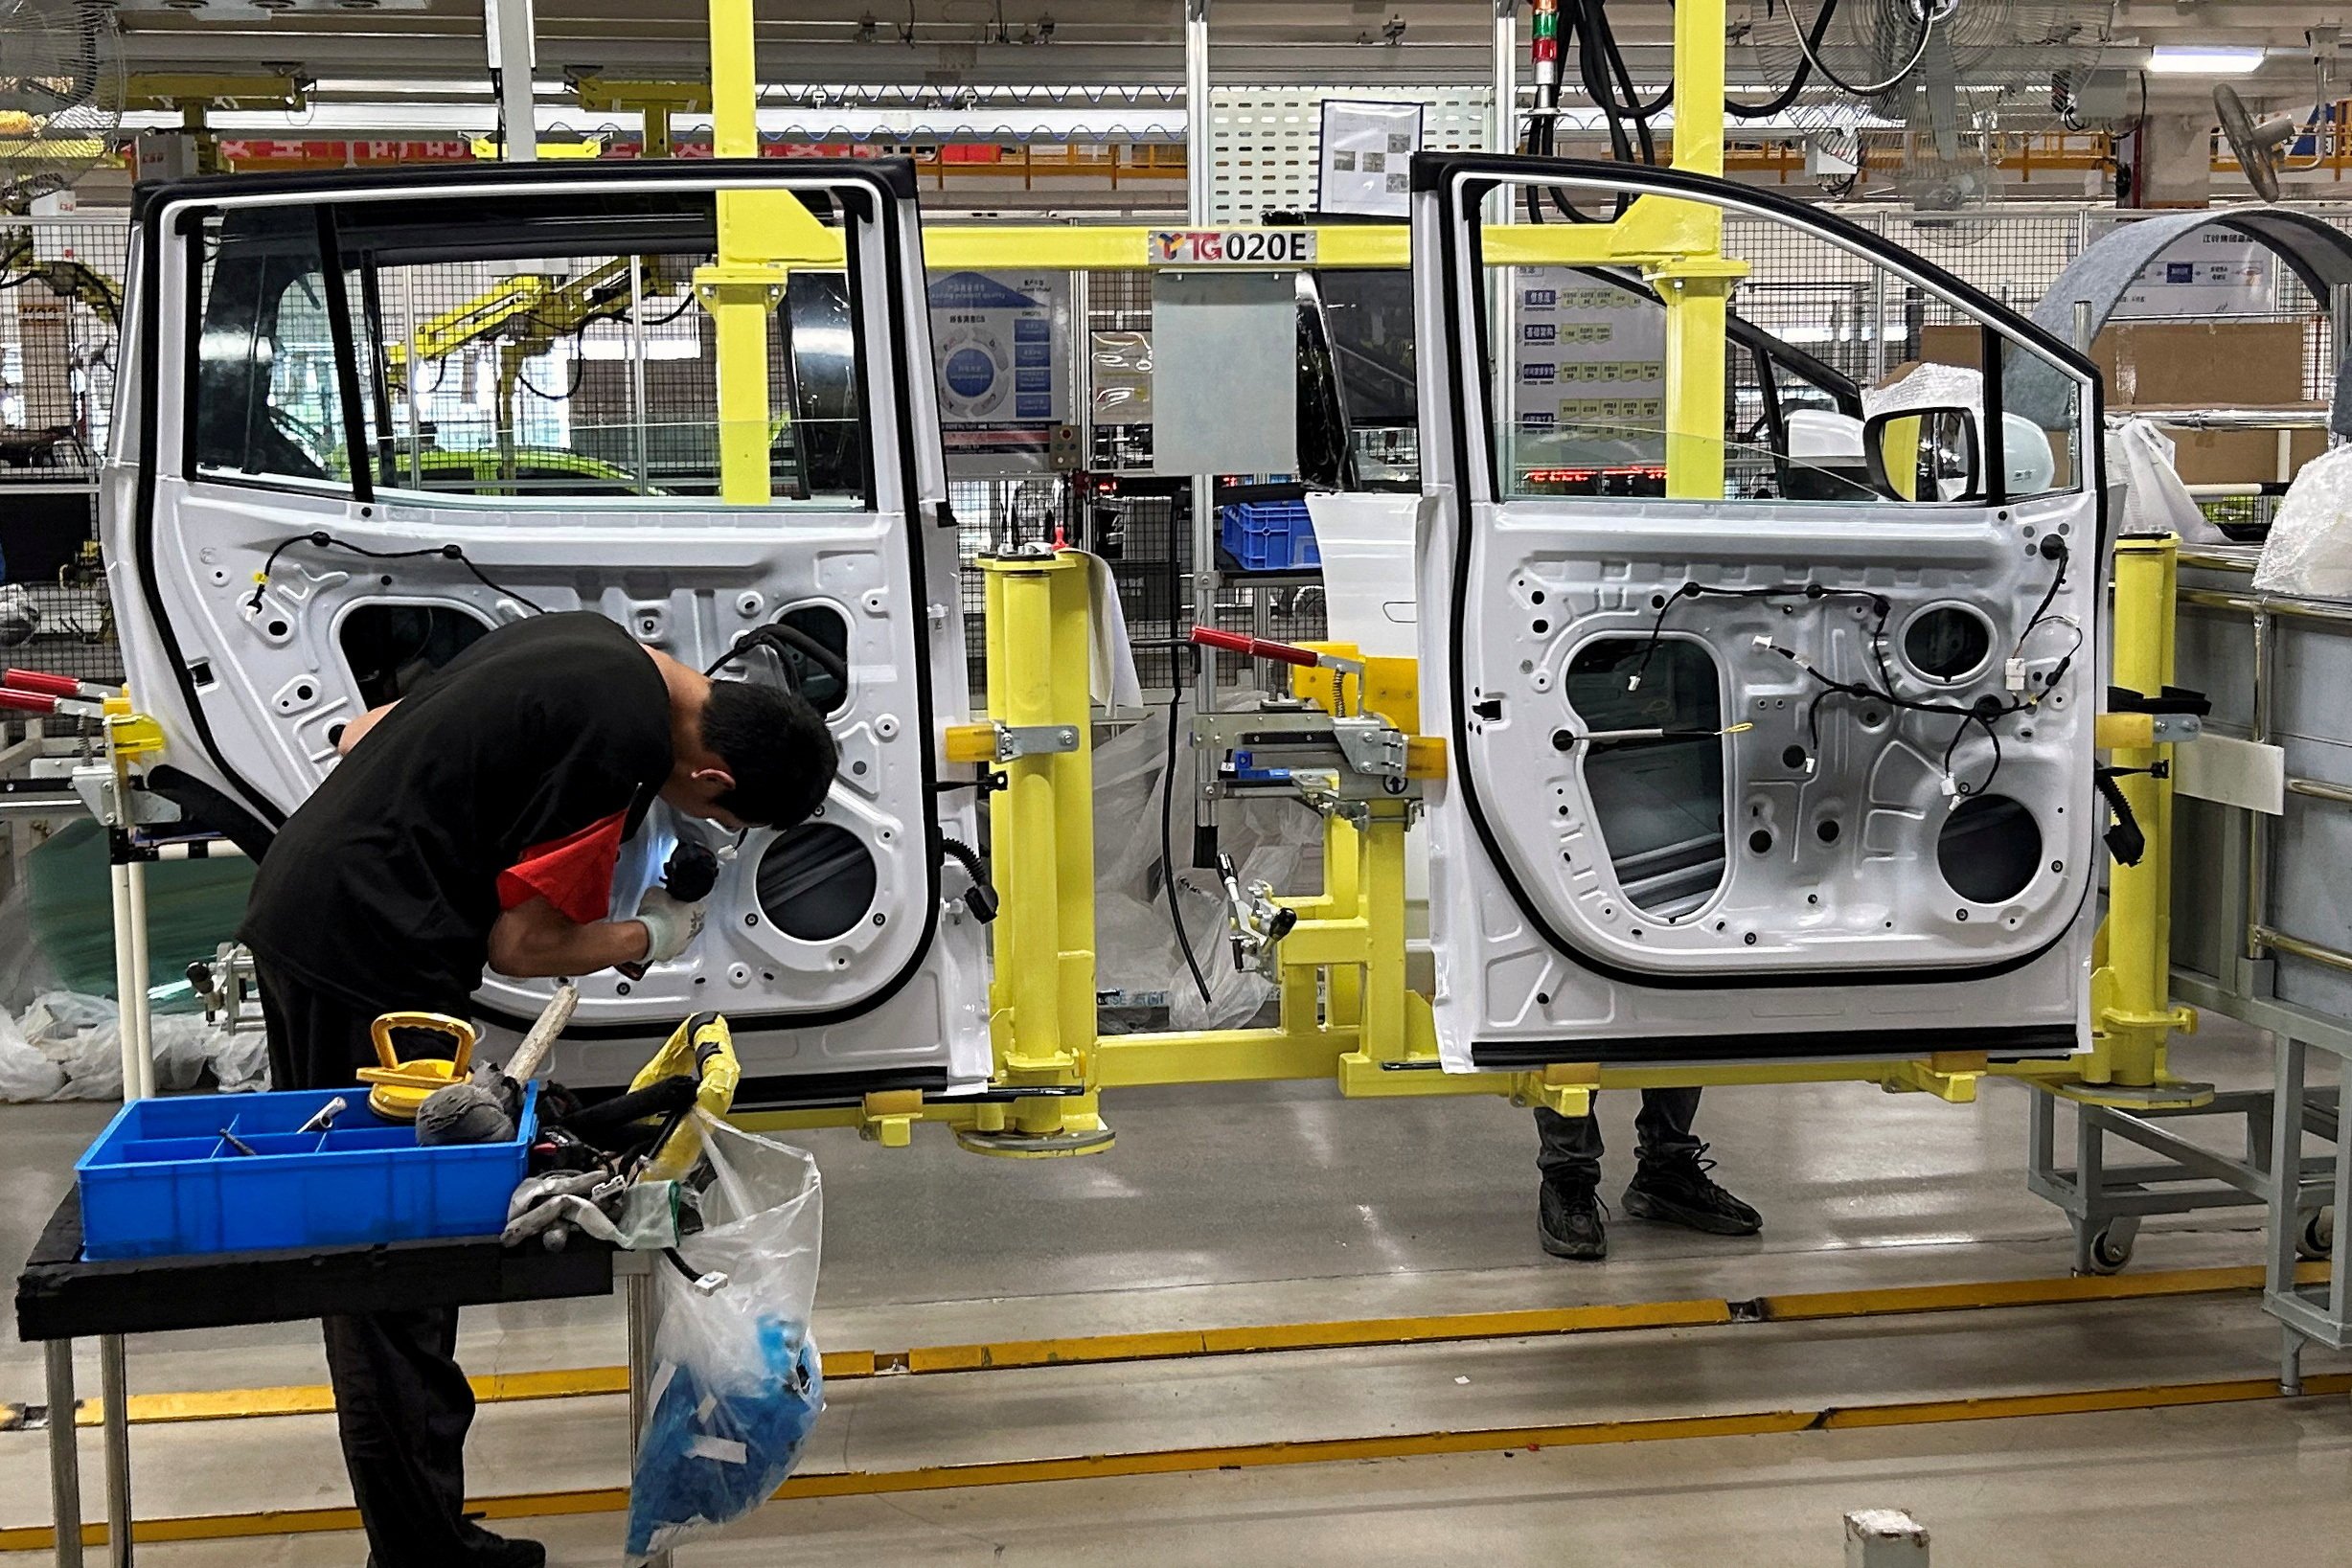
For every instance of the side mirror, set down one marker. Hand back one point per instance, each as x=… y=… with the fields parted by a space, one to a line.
x=1925 y=454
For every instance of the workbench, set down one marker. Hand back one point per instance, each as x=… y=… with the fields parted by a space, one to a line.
x=62 y=1298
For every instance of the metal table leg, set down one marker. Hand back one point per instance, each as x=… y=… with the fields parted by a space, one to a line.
x=113 y=1389
x=640 y=1295
x=64 y=1458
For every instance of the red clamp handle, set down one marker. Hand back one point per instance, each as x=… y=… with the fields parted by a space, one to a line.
x=31 y=702
x=40 y=680
x=1255 y=648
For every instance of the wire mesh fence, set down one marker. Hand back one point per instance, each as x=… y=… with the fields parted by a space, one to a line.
x=584 y=387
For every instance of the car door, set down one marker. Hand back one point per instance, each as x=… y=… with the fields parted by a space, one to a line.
x=372 y=416
x=1856 y=813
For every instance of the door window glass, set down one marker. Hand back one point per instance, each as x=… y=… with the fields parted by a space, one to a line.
x=266 y=404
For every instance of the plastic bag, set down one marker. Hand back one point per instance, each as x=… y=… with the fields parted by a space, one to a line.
x=25 y=1074
x=737 y=1385
x=2155 y=500
x=1274 y=839
x=2309 y=552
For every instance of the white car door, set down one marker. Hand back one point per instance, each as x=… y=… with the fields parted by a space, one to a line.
x=1865 y=824
x=370 y=417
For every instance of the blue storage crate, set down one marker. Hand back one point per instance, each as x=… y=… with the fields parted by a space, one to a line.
x=1269 y=535
x=162 y=1181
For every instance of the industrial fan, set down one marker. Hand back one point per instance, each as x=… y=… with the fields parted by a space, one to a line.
x=1926 y=88
x=60 y=95
x=2261 y=144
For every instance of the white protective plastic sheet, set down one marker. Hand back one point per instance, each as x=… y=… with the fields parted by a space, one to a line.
x=2309 y=552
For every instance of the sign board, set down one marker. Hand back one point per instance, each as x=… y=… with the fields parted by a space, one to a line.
x=1586 y=355
x=1231 y=247
x=1000 y=342
x=2211 y=272
x=1366 y=153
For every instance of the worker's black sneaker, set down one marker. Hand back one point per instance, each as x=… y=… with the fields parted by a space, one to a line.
x=484 y=1550
x=1571 y=1221
x=1678 y=1191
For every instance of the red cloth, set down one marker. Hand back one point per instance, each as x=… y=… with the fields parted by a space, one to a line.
x=573 y=872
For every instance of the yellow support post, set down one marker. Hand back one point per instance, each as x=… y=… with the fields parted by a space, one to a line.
x=1697 y=288
x=2130 y=998
x=1041 y=996
x=760 y=234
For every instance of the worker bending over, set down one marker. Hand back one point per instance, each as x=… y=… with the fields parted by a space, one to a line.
x=476 y=824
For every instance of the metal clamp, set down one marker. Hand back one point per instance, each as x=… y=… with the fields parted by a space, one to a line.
x=1014 y=741
x=1371 y=746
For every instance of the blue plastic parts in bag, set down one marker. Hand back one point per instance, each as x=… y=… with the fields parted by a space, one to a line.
x=737 y=1386
x=706 y=1457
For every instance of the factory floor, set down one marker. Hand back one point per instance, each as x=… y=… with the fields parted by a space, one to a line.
x=1275 y=1205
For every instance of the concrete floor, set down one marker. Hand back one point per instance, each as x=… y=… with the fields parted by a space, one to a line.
x=1252 y=1205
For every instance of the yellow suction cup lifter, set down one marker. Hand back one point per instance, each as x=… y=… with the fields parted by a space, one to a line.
x=704 y=1047
x=401 y=1086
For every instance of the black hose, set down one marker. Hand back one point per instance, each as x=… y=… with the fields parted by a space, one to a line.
x=981 y=896
x=1797 y=82
x=1167 y=809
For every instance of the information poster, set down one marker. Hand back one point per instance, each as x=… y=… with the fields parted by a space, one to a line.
x=2211 y=272
x=1367 y=156
x=1589 y=359
x=1000 y=341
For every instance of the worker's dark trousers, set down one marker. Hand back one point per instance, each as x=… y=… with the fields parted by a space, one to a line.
x=401 y=1402
x=1570 y=1154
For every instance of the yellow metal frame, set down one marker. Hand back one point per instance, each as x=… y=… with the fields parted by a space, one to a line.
x=1346 y=1012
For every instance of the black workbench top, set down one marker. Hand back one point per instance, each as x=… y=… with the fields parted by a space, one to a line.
x=59 y=1296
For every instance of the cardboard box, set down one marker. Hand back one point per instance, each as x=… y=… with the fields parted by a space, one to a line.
x=2234 y=364
x=2159 y=367
x=2239 y=457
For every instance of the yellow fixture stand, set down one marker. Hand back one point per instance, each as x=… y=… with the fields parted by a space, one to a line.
x=401 y=1086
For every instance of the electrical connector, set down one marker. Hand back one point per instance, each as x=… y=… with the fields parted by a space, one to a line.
x=2013 y=674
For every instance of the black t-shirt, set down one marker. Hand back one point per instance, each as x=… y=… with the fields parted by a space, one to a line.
x=382 y=888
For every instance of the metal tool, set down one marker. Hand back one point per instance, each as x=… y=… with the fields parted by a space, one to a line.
x=324 y=1117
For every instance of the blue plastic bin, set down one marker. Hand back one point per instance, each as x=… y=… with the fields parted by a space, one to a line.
x=161 y=1181
x=1269 y=535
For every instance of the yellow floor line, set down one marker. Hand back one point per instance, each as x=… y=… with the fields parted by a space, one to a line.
x=1356 y=1333
x=1260 y=1455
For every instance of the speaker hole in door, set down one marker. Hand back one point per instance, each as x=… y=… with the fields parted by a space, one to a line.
x=819 y=675
x=1989 y=849
x=391 y=648
x=817 y=881
x=1948 y=643
x=1657 y=803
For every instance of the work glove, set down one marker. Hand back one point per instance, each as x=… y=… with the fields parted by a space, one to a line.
x=670 y=924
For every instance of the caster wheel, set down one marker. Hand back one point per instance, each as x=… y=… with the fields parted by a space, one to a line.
x=2316 y=1239
x=2109 y=1251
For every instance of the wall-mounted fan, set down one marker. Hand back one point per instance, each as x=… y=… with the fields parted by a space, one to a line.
x=60 y=95
x=1928 y=85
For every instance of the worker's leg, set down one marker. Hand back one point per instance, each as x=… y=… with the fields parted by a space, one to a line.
x=1672 y=1183
x=1568 y=1208
x=403 y=1404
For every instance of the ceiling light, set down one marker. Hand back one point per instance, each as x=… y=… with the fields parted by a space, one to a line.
x=2204 y=60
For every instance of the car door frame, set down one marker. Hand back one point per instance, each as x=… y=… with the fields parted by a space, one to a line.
x=248 y=816
x=1449 y=245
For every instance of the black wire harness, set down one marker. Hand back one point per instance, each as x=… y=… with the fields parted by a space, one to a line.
x=1984 y=714
x=318 y=538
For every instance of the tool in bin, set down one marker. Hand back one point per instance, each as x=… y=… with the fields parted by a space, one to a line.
x=400 y=1088
x=325 y=1116
x=689 y=874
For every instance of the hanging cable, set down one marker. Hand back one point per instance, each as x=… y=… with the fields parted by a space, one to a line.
x=1167 y=811
x=1930 y=15
x=321 y=539
x=1797 y=79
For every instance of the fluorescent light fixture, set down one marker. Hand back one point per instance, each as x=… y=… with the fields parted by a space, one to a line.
x=2172 y=60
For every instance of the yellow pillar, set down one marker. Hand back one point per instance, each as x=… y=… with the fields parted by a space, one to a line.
x=1042 y=842
x=1697 y=290
x=1384 y=1033
x=1343 y=886
x=2135 y=1014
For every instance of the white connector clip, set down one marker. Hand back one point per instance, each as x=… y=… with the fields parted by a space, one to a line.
x=2013 y=674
